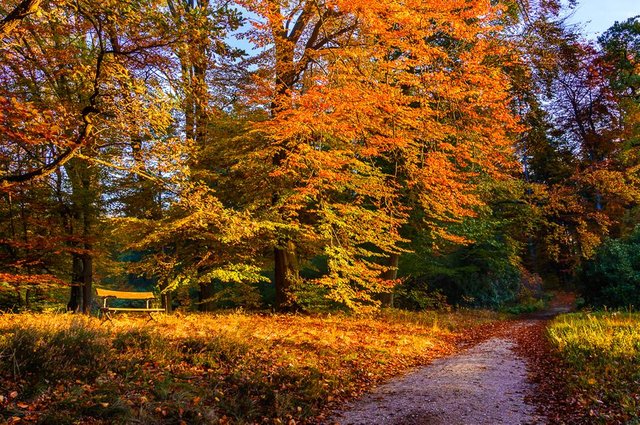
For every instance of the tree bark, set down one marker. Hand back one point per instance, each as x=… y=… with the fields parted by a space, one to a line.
x=286 y=275
x=286 y=268
x=87 y=233
x=87 y=281
x=82 y=211
x=391 y=274
x=76 y=284
x=205 y=293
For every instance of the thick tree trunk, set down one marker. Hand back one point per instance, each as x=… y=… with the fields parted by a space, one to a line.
x=392 y=274
x=206 y=292
x=166 y=302
x=86 y=207
x=87 y=258
x=74 y=304
x=76 y=281
x=82 y=212
x=286 y=275
x=87 y=281
x=286 y=268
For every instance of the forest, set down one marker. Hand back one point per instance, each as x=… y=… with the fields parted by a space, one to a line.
x=418 y=170
x=248 y=155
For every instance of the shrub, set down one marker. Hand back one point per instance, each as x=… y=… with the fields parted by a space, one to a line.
x=612 y=277
x=477 y=275
x=39 y=353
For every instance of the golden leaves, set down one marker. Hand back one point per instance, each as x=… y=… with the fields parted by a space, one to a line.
x=412 y=103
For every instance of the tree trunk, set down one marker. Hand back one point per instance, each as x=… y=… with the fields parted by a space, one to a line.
x=87 y=233
x=74 y=304
x=391 y=274
x=286 y=268
x=82 y=210
x=206 y=292
x=76 y=281
x=87 y=281
x=166 y=302
x=189 y=103
x=286 y=275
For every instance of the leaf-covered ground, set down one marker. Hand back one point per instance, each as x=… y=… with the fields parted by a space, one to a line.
x=549 y=374
x=585 y=367
x=231 y=368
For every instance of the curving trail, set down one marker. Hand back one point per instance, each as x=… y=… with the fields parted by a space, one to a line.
x=483 y=385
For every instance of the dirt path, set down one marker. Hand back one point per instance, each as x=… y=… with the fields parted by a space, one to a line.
x=485 y=384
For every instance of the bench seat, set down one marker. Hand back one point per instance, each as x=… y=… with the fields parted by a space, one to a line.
x=108 y=294
x=135 y=309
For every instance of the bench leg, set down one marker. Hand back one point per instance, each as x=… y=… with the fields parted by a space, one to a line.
x=106 y=316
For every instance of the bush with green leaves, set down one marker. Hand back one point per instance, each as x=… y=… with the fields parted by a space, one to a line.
x=476 y=275
x=612 y=277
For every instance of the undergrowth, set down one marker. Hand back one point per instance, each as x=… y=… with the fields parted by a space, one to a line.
x=205 y=368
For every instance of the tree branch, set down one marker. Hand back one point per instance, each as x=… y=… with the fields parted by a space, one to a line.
x=21 y=11
x=301 y=23
x=87 y=127
x=140 y=173
x=45 y=170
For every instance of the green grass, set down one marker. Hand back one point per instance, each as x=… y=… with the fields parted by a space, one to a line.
x=603 y=351
x=530 y=305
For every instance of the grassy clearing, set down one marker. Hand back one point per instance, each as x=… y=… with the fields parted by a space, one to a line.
x=201 y=368
x=603 y=352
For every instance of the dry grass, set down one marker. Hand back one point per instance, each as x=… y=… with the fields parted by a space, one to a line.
x=603 y=352
x=204 y=368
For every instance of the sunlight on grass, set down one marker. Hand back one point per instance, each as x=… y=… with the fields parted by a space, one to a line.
x=206 y=368
x=603 y=349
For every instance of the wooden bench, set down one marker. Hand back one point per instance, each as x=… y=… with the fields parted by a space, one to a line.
x=107 y=294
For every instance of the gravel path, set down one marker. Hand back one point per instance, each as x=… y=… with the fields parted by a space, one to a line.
x=485 y=384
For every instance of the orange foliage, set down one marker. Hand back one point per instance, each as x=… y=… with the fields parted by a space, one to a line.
x=18 y=281
x=369 y=100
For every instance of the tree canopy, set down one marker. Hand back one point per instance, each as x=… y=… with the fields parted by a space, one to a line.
x=304 y=154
